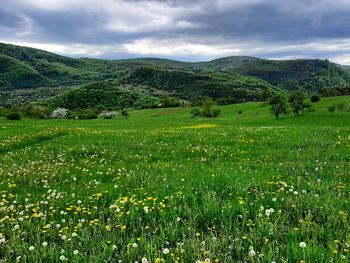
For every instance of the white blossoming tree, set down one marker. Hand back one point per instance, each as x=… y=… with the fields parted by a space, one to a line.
x=59 y=113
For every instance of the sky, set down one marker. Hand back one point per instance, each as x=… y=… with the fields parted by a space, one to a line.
x=188 y=30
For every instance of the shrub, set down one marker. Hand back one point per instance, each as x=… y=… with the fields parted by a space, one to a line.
x=170 y=102
x=315 y=98
x=340 y=107
x=308 y=107
x=59 y=113
x=125 y=113
x=14 y=116
x=2 y=111
x=195 y=112
x=332 y=108
x=108 y=114
x=215 y=113
x=36 y=111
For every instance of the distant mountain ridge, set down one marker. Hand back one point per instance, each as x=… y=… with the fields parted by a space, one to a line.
x=23 y=67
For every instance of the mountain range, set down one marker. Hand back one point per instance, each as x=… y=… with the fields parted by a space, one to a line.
x=240 y=77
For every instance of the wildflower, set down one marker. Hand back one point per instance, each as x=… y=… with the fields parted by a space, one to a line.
x=302 y=244
x=251 y=252
x=146 y=209
x=31 y=248
x=75 y=252
x=44 y=244
x=74 y=234
x=135 y=245
x=62 y=258
x=64 y=237
x=166 y=251
x=2 y=240
x=144 y=260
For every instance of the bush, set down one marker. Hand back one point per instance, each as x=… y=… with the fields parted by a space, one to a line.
x=215 y=113
x=59 y=113
x=107 y=114
x=332 y=108
x=2 y=111
x=170 y=102
x=195 y=112
x=14 y=116
x=36 y=111
x=315 y=98
x=308 y=107
x=340 y=107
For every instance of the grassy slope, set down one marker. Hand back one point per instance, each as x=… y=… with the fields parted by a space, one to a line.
x=216 y=179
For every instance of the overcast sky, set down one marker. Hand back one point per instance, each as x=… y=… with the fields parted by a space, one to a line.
x=190 y=30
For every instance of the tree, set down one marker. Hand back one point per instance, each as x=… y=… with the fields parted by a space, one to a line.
x=315 y=98
x=195 y=112
x=266 y=94
x=279 y=105
x=296 y=101
x=207 y=107
x=59 y=113
x=125 y=113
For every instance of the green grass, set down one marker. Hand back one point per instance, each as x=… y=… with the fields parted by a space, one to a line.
x=208 y=186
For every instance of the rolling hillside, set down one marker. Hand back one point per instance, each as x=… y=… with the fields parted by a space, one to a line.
x=22 y=67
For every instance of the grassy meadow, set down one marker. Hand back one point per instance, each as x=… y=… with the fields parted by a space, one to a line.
x=162 y=187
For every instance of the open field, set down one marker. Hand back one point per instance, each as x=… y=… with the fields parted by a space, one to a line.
x=167 y=188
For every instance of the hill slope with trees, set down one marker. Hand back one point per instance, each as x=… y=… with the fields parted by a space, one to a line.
x=244 y=77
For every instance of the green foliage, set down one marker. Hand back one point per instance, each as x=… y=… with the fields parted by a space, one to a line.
x=12 y=115
x=3 y=111
x=311 y=75
x=340 y=107
x=195 y=112
x=266 y=94
x=125 y=113
x=315 y=98
x=102 y=95
x=207 y=109
x=332 y=108
x=36 y=111
x=194 y=86
x=279 y=105
x=296 y=101
x=86 y=114
x=239 y=78
x=168 y=102
x=226 y=101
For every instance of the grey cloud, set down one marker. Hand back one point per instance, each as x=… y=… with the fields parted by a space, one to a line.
x=256 y=23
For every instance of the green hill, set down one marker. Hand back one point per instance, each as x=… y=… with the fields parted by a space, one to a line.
x=195 y=85
x=102 y=95
x=22 y=67
x=16 y=73
x=312 y=75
